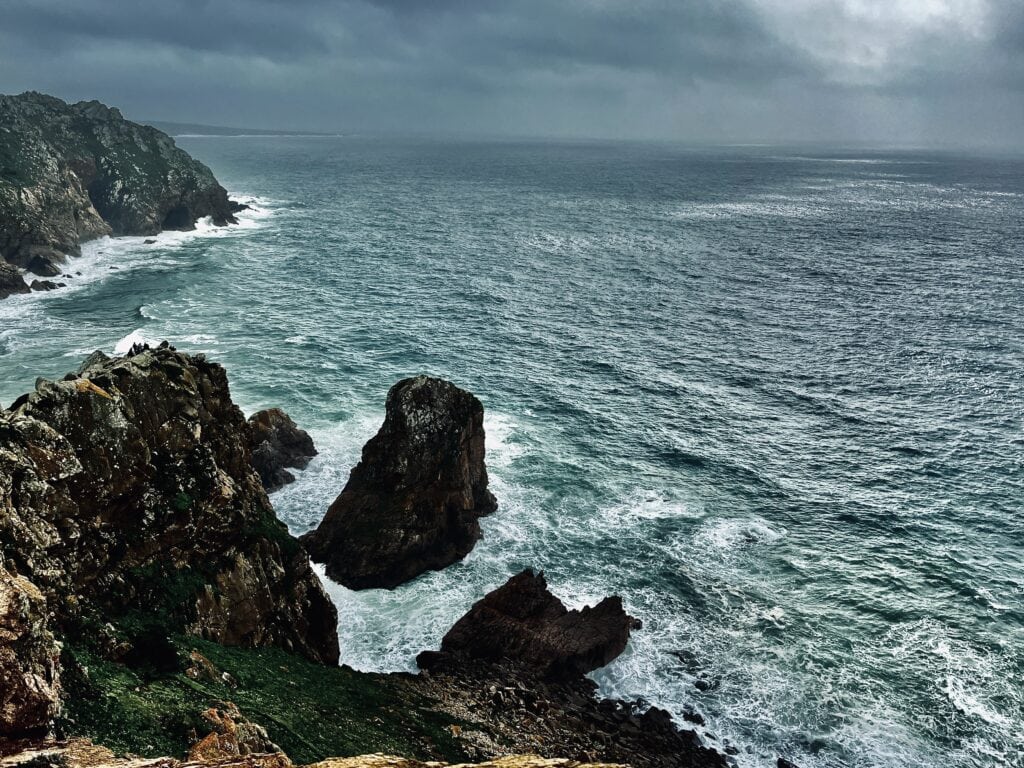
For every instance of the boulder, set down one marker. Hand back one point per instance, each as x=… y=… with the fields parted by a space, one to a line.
x=45 y=285
x=277 y=443
x=11 y=281
x=413 y=502
x=129 y=498
x=29 y=656
x=524 y=624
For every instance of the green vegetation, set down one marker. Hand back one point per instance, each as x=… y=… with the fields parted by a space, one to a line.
x=151 y=708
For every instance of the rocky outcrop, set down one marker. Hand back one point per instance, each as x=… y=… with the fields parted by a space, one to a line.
x=127 y=496
x=413 y=502
x=11 y=281
x=29 y=691
x=73 y=172
x=523 y=623
x=81 y=753
x=277 y=443
x=233 y=735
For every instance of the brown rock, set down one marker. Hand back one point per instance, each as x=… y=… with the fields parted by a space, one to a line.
x=524 y=623
x=414 y=501
x=129 y=484
x=232 y=736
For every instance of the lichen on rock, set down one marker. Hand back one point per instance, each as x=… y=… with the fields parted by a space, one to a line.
x=127 y=496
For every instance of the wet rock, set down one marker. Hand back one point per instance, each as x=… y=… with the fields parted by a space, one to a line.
x=11 y=281
x=45 y=285
x=278 y=443
x=129 y=483
x=524 y=623
x=149 y=241
x=30 y=688
x=413 y=502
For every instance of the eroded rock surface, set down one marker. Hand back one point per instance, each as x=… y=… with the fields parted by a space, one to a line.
x=127 y=496
x=74 y=172
x=29 y=679
x=413 y=502
x=278 y=444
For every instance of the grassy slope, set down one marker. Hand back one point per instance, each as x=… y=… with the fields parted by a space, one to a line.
x=310 y=711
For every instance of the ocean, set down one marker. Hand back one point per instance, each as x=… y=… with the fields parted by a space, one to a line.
x=773 y=397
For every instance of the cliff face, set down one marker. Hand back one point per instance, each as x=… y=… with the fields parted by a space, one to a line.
x=413 y=502
x=73 y=172
x=127 y=497
x=28 y=659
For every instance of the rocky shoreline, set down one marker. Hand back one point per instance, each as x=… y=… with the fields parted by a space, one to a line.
x=145 y=579
x=70 y=173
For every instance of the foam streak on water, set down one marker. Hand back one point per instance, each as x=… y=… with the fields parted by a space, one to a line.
x=775 y=399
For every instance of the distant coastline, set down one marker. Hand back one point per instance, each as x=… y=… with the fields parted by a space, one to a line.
x=198 y=130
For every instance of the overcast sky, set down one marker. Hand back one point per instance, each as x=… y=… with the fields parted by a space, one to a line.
x=914 y=72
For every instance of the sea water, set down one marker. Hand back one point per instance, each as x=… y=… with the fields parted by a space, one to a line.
x=773 y=397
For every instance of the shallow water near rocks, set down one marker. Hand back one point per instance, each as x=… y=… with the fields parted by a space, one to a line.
x=772 y=398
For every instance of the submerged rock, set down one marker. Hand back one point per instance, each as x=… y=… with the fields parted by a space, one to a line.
x=128 y=497
x=523 y=623
x=75 y=172
x=413 y=502
x=277 y=443
x=30 y=688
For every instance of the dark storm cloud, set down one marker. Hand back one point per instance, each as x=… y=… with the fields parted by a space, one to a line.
x=892 y=70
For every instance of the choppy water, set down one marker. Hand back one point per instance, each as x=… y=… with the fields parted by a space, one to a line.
x=772 y=398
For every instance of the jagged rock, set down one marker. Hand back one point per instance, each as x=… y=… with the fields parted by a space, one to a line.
x=524 y=623
x=30 y=687
x=74 y=172
x=45 y=285
x=277 y=443
x=413 y=502
x=127 y=487
x=11 y=281
x=233 y=735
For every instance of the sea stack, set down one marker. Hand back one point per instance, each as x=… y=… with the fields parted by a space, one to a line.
x=522 y=623
x=413 y=502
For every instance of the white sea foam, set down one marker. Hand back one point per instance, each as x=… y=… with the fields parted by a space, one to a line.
x=125 y=344
x=733 y=533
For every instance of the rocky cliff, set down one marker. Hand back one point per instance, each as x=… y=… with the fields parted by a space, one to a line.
x=145 y=585
x=73 y=172
x=413 y=502
x=128 y=499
